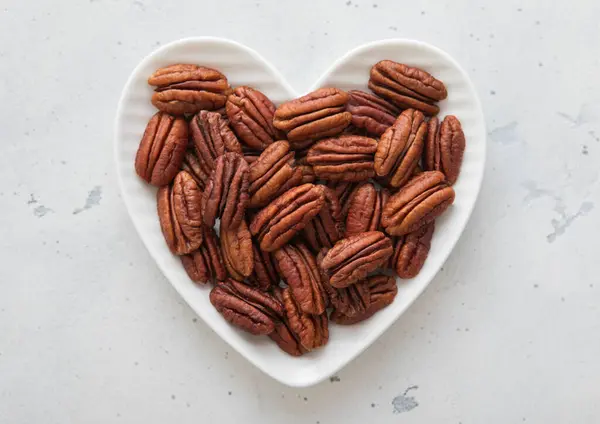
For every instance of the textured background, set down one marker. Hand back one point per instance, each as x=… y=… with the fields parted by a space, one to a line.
x=90 y=331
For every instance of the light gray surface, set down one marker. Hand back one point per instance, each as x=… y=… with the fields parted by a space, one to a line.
x=90 y=331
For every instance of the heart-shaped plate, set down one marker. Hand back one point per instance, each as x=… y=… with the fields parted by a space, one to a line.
x=243 y=66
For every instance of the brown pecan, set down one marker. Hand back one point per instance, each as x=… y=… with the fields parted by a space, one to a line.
x=270 y=172
x=364 y=209
x=226 y=192
x=251 y=113
x=326 y=228
x=352 y=258
x=246 y=307
x=407 y=87
x=206 y=263
x=382 y=290
x=161 y=150
x=236 y=245
x=419 y=202
x=286 y=339
x=400 y=147
x=345 y=158
x=445 y=147
x=264 y=276
x=311 y=330
x=298 y=268
x=251 y=156
x=317 y=115
x=351 y=300
x=342 y=190
x=411 y=250
x=195 y=168
x=187 y=89
x=371 y=112
x=211 y=138
x=302 y=173
x=179 y=214
x=281 y=219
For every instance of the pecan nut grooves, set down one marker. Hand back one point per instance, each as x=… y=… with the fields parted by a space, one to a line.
x=311 y=330
x=364 y=209
x=411 y=250
x=251 y=113
x=407 y=87
x=270 y=172
x=211 y=138
x=352 y=258
x=161 y=150
x=298 y=267
x=206 y=263
x=187 y=89
x=281 y=219
x=264 y=276
x=226 y=193
x=400 y=147
x=238 y=255
x=345 y=158
x=419 y=202
x=382 y=290
x=319 y=114
x=445 y=147
x=246 y=307
x=370 y=112
x=179 y=214
x=326 y=228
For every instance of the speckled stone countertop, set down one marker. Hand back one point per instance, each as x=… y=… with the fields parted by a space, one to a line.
x=90 y=330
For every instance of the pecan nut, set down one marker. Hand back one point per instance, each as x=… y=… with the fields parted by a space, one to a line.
x=326 y=228
x=298 y=267
x=370 y=112
x=286 y=339
x=351 y=300
x=419 y=202
x=211 y=138
x=195 y=168
x=281 y=219
x=161 y=150
x=251 y=113
x=407 y=87
x=400 y=147
x=302 y=174
x=268 y=174
x=251 y=156
x=317 y=115
x=382 y=290
x=345 y=158
x=342 y=190
x=352 y=258
x=238 y=255
x=187 y=89
x=246 y=307
x=206 y=263
x=364 y=209
x=179 y=214
x=226 y=192
x=445 y=147
x=411 y=250
x=264 y=276
x=311 y=330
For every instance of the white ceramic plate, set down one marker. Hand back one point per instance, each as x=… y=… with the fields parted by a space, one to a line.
x=243 y=66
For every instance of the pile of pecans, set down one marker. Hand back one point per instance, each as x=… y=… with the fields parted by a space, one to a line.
x=320 y=200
